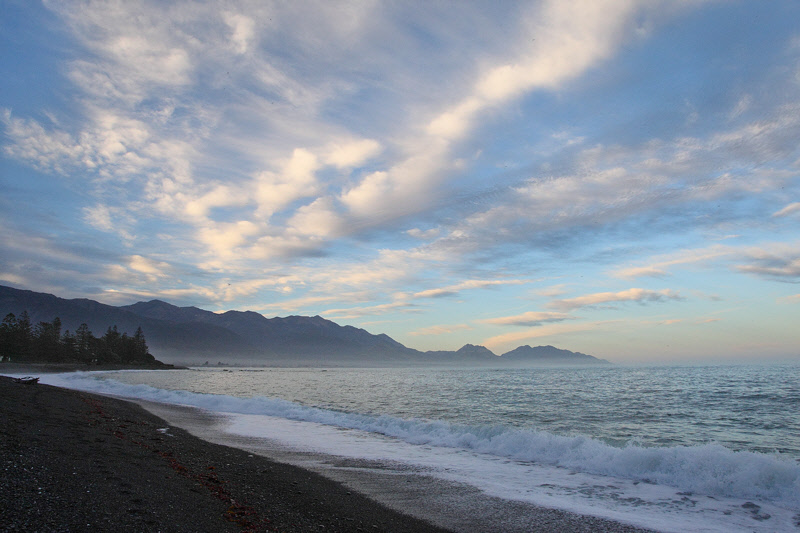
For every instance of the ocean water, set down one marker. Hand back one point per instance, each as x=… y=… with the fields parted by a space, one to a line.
x=713 y=448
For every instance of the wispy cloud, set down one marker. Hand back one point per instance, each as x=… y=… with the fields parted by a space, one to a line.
x=660 y=267
x=776 y=261
x=452 y=290
x=630 y=295
x=440 y=330
x=358 y=312
x=788 y=210
x=531 y=318
x=507 y=340
x=363 y=159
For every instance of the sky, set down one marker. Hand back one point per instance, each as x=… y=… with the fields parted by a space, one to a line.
x=615 y=177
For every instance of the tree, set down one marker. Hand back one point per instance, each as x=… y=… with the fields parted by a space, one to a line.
x=47 y=341
x=68 y=346
x=8 y=337
x=15 y=337
x=109 y=346
x=84 y=344
x=141 y=352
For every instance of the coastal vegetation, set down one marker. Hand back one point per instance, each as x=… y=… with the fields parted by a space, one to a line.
x=21 y=341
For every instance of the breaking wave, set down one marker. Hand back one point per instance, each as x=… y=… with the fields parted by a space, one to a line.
x=710 y=469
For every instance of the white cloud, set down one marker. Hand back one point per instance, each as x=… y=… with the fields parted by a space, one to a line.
x=788 y=210
x=440 y=330
x=569 y=37
x=506 y=340
x=531 y=318
x=274 y=191
x=318 y=219
x=629 y=295
x=223 y=238
x=148 y=266
x=659 y=268
x=358 y=312
x=99 y=217
x=470 y=284
x=220 y=196
x=243 y=31
x=351 y=154
x=775 y=261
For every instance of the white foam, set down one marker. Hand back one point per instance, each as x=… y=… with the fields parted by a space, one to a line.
x=654 y=506
x=664 y=488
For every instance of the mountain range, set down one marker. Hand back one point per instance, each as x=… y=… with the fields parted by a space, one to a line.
x=189 y=335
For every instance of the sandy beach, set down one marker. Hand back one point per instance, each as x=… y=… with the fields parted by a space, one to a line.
x=73 y=461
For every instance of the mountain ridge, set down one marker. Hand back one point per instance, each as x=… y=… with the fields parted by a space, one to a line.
x=191 y=335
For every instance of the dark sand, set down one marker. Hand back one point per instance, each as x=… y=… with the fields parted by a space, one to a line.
x=71 y=461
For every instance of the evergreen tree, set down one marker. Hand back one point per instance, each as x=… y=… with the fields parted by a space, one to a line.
x=141 y=352
x=84 y=344
x=8 y=338
x=110 y=346
x=47 y=341
x=68 y=346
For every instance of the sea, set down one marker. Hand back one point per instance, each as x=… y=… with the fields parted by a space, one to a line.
x=670 y=448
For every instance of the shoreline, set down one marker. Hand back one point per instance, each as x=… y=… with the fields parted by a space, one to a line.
x=177 y=470
x=73 y=461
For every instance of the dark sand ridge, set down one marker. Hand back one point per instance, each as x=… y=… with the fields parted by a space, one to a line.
x=72 y=461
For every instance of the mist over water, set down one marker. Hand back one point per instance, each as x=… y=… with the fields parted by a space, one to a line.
x=724 y=433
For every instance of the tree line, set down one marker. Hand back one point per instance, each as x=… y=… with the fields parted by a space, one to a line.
x=45 y=343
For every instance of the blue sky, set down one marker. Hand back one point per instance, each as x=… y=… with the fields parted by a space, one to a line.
x=613 y=177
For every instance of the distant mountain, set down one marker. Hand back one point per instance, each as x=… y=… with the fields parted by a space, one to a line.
x=549 y=354
x=191 y=335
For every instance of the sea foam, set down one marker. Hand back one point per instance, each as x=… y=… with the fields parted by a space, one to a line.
x=710 y=469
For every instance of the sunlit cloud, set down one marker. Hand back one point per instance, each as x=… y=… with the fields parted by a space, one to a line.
x=531 y=318
x=630 y=295
x=792 y=299
x=382 y=159
x=660 y=267
x=778 y=261
x=357 y=312
x=470 y=284
x=440 y=330
x=511 y=339
x=788 y=210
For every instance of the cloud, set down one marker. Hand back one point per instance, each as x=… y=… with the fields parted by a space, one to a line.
x=659 y=268
x=351 y=154
x=531 y=318
x=219 y=196
x=243 y=31
x=630 y=295
x=156 y=269
x=777 y=261
x=509 y=339
x=358 y=312
x=99 y=217
x=570 y=37
x=319 y=219
x=223 y=238
x=440 y=330
x=788 y=210
x=274 y=191
x=452 y=290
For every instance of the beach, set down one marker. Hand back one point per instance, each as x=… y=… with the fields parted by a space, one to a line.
x=73 y=461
